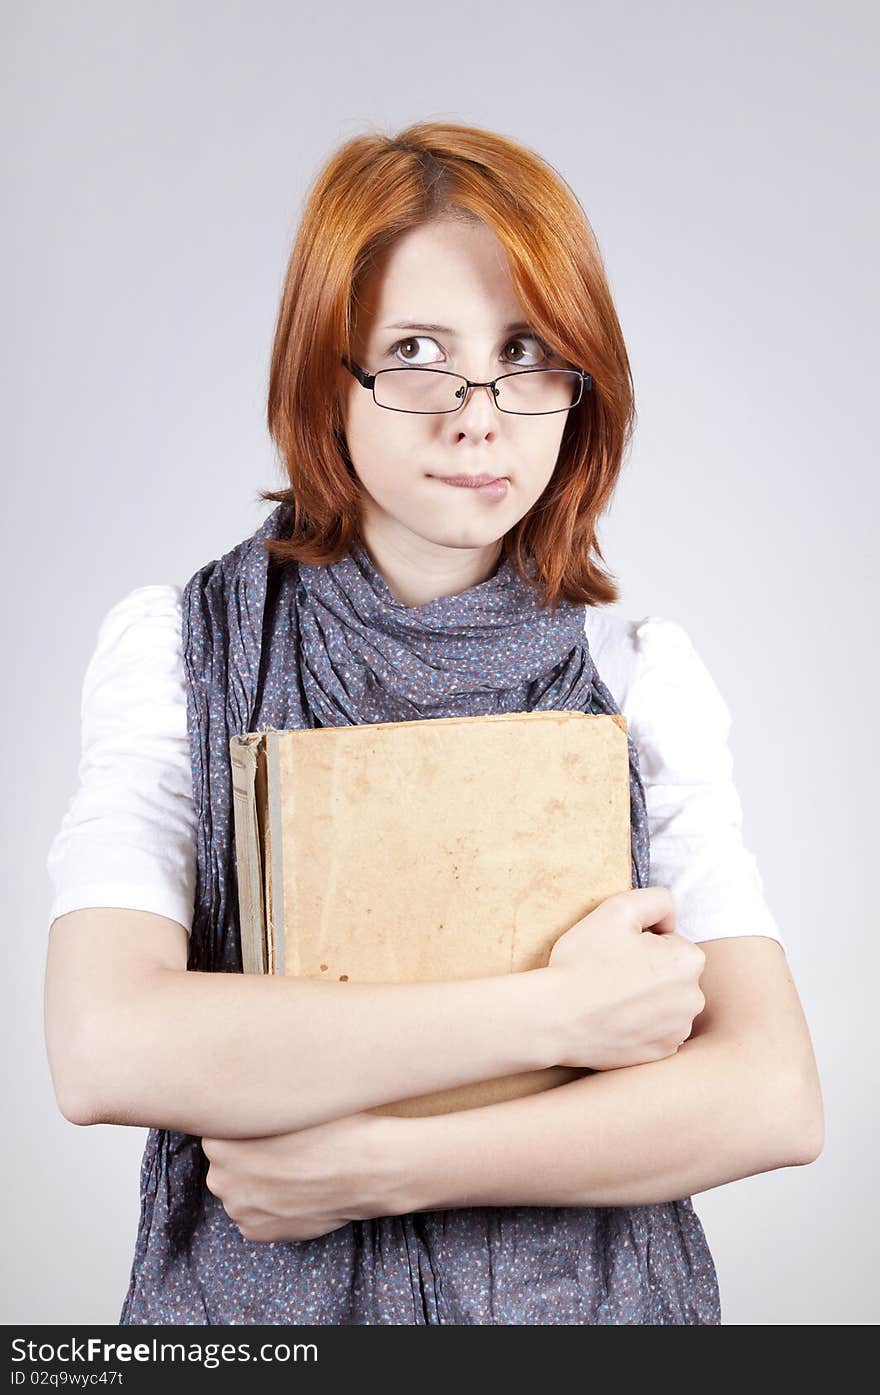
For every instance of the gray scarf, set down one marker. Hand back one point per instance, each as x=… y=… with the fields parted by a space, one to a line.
x=302 y=646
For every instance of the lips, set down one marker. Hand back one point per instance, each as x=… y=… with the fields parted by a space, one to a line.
x=470 y=481
x=487 y=486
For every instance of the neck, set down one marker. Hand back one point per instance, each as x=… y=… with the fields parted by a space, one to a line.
x=418 y=572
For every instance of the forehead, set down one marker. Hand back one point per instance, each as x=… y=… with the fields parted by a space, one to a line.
x=445 y=273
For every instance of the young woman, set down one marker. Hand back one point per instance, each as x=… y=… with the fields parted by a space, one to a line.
x=451 y=398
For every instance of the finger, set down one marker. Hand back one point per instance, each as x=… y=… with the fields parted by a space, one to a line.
x=653 y=909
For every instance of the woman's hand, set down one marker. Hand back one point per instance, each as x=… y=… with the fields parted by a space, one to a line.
x=295 y=1186
x=629 y=996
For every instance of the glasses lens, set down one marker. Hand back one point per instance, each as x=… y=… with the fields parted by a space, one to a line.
x=429 y=390
x=543 y=390
x=418 y=390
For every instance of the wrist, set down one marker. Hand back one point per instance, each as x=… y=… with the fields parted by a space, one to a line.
x=552 y=1029
x=400 y=1161
x=525 y=1011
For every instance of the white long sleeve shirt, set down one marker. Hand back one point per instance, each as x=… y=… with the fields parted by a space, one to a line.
x=128 y=836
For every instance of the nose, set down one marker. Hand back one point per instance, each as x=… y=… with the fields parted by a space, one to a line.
x=477 y=403
x=467 y=393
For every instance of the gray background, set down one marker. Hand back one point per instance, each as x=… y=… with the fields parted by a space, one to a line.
x=155 y=160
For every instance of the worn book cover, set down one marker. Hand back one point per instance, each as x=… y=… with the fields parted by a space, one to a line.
x=446 y=848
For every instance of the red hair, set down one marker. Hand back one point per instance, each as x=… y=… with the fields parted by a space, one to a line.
x=372 y=190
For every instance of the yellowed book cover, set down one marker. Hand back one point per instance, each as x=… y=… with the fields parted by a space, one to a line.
x=447 y=848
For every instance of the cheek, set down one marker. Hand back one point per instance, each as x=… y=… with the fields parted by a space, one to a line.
x=382 y=460
x=556 y=425
x=384 y=451
x=362 y=435
x=541 y=452
x=554 y=444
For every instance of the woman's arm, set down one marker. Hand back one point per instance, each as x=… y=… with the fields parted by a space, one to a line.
x=741 y=1096
x=627 y=1137
x=135 y=1038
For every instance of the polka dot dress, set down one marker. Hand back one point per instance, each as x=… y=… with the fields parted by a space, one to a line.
x=302 y=646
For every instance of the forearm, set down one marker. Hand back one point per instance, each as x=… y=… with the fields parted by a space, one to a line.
x=629 y=1137
x=247 y=1055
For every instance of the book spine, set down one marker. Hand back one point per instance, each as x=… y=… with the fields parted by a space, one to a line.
x=243 y=757
x=274 y=843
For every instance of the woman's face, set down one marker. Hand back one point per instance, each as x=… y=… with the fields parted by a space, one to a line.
x=430 y=538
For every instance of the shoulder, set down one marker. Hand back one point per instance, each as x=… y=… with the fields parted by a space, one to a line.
x=675 y=711
x=145 y=621
x=137 y=660
x=680 y=724
x=127 y=837
x=145 y=612
x=652 y=667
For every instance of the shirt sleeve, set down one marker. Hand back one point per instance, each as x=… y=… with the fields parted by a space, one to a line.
x=128 y=836
x=681 y=726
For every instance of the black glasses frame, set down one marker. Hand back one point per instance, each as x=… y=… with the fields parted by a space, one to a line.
x=368 y=380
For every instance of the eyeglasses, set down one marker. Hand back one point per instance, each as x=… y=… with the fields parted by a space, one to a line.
x=527 y=392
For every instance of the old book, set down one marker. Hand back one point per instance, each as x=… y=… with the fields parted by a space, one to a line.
x=447 y=848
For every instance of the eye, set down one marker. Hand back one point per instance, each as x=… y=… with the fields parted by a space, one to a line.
x=413 y=339
x=546 y=351
x=394 y=351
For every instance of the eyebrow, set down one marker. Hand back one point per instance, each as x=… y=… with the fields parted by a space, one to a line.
x=445 y=329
